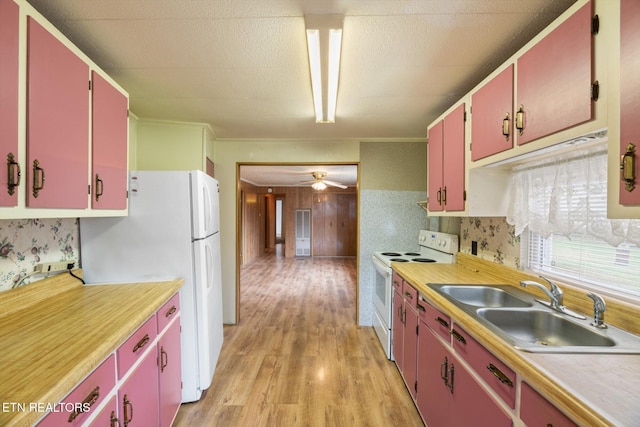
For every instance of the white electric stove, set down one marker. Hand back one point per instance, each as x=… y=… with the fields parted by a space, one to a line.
x=433 y=247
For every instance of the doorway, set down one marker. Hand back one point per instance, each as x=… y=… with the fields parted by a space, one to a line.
x=268 y=196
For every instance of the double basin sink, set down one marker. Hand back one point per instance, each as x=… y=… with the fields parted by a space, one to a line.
x=528 y=325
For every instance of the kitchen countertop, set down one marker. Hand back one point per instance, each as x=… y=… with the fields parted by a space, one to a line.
x=54 y=332
x=593 y=389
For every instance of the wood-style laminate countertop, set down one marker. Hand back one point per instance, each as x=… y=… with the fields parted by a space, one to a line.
x=593 y=389
x=54 y=332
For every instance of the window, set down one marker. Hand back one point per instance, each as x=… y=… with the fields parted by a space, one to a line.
x=560 y=210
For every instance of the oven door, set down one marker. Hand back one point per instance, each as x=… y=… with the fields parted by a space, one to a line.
x=382 y=297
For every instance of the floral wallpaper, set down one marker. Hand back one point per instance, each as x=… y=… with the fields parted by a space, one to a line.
x=25 y=243
x=496 y=240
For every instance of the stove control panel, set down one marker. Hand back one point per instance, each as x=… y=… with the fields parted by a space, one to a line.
x=443 y=242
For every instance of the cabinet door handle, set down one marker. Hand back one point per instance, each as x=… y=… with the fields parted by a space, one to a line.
x=127 y=409
x=501 y=376
x=520 y=120
x=38 y=178
x=86 y=404
x=113 y=420
x=444 y=195
x=13 y=174
x=442 y=322
x=506 y=126
x=450 y=384
x=163 y=359
x=458 y=336
x=141 y=343
x=439 y=196
x=99 y=187
x=444 y=371
x=628 y=167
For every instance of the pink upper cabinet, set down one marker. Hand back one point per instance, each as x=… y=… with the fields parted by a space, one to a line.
x=109 y=145
x=57 y=123
x=9 y=169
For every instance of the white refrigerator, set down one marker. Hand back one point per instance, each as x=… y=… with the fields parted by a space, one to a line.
x=172 y=231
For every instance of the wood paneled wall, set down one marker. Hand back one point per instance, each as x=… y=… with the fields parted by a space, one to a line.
x=334 y=220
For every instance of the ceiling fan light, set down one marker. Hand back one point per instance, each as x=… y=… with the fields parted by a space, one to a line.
x=319 y=185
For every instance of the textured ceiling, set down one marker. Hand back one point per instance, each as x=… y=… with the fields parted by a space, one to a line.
x=298 y=175
x=241 y=65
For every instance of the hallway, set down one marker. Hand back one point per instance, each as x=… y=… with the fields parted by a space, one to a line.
x=297 y=358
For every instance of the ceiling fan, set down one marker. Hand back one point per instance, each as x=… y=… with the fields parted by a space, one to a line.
x=320 y=183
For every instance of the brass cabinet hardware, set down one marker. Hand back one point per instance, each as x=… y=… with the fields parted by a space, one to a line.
x=86 y=404
x=520 y=119
x=144 y=341
x=500 y=375
x=113 y=420
x=38 y=178
x=127 y=409
x=450 y=384
x=444 y=195
x=408 y=295
x=13 y=174
x=506 y=126
x=99 y=187
x=458 y=336
x=163 y=359
x=628 y=167
x=439 y=196
x=170 y=312
x=595 y=91
x=444 y=370
x=442 y=322
x=420 y=307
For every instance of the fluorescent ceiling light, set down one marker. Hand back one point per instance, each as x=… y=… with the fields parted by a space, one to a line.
x=324 y=44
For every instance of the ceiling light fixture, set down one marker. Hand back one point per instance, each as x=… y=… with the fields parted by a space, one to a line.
x=319 y=186
x=324 y=45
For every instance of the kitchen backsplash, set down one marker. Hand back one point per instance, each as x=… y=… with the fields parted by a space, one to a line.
x=496 y=240
x=25 y=243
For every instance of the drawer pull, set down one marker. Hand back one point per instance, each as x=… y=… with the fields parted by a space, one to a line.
x=86 y=404
x=163 y=359
x=170 y=312
x=408 y=295
x=442 y=322
x=144 y=341
x=421 y=307
x=458 y=336
x=500 y=375
x=127 y=408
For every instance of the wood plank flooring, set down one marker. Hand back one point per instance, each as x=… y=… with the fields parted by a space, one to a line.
x=297 y=357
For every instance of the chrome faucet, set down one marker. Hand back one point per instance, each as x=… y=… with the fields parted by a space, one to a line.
x=599 y=307
x=555 y=294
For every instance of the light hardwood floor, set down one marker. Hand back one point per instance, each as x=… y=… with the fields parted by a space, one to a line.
x=297 y=357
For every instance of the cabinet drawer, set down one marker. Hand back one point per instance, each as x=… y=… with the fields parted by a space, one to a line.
x=88 y=394
x=409 y=294
x=439 y=322
x=397 y=281
x=496 y=374
x=129 y=352
x=168 y=311
x=535 y=410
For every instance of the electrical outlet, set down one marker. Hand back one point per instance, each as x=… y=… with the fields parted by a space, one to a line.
x=51 y=267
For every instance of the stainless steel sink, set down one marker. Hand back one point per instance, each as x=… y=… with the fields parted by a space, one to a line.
x=516 y=317
x=544 y=328
x=486 y=296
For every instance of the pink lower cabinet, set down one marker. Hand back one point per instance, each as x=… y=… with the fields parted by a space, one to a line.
x=536 y=411
x=108 y=416
x=448 y=395
x=138 y=396
x=170 y=373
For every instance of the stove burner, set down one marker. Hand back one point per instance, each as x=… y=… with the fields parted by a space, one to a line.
x=412 y=253
x=391 y=254
x=399 y=260
x=423 y=260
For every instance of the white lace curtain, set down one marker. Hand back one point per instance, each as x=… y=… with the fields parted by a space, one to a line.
x=566 y=197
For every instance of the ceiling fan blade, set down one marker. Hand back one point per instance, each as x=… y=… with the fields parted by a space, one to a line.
x=334 y=184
